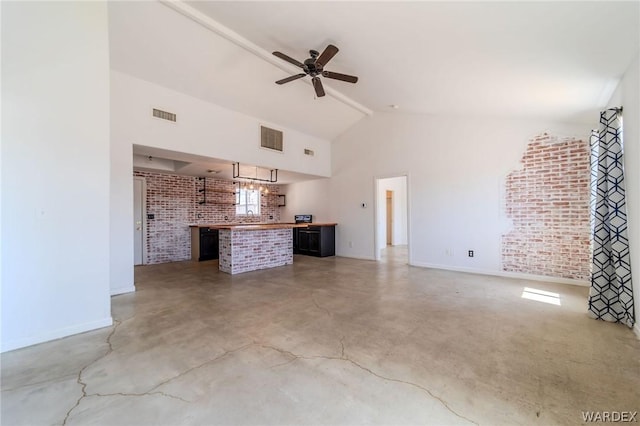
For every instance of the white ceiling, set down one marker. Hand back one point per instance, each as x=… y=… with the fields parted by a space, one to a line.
x=537 y=60
x=552 y=60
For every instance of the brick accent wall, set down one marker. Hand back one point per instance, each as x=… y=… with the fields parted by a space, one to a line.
x=548 y=201
x=250 y=250
x=174 y=200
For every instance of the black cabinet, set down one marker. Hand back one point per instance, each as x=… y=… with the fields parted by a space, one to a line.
x=315 y=241
x=204 y=243
x=208 y=244
x=296 y=239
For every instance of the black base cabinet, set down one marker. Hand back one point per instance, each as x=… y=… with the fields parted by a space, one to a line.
x=204 y=244
x=315 y=241
x=208 y=244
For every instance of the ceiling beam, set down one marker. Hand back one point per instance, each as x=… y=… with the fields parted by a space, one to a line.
x=225 y=32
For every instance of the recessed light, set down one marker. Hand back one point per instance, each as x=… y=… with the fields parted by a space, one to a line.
x=213 y=171
x=394 y=106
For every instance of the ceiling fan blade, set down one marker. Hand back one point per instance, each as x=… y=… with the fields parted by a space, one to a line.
x=317 y=84
x=326 y=56
x=342 y=77
x=288 y=79
x=288 y=59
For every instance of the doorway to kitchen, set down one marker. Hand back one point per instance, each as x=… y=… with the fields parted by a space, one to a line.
x=392 y=219
x=139 y=215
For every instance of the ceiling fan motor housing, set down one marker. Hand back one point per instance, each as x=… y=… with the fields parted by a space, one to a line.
x=311 y=68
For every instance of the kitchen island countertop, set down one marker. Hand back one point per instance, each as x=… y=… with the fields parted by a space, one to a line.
x=251 y=226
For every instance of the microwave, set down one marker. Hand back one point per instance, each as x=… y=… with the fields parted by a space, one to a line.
x=303 y=218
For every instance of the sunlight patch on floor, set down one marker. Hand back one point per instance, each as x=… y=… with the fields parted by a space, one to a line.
x=541 y=296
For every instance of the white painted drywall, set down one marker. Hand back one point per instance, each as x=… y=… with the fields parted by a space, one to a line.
x=310 y=197
x=399 y=231
x=627 y=95
x=55 y=170
x=121 y=210
x=206 y=129
x=457 y=168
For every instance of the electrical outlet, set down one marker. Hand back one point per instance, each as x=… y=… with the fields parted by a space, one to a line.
x=448 y=252
x=350 y=244
x=470 y=253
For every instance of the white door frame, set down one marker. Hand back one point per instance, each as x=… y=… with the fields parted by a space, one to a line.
x=377 y=200
x=144 y=219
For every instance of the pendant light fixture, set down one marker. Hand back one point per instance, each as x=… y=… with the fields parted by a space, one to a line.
x=273 y=178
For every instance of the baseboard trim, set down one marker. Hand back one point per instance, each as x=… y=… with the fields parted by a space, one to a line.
x=123 y=290
x=503 y=274
x=56 y=334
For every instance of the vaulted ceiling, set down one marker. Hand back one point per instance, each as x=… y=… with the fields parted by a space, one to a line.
x=547 y=60
x=526 y=59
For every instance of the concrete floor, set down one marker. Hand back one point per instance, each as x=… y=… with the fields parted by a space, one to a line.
x=328 y=341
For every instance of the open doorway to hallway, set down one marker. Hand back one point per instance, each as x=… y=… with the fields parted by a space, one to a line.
x=392 y=224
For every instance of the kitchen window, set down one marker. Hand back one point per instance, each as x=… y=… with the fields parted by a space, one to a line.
x=248 y=202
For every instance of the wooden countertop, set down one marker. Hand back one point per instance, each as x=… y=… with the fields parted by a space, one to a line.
x=256 y=226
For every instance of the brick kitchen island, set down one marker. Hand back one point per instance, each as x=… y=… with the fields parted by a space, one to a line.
x=245 y=248
x=249 y=247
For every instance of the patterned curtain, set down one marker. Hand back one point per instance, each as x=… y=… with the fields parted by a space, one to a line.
x=610 y=296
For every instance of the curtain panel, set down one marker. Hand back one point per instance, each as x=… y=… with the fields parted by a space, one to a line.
x=611 y=294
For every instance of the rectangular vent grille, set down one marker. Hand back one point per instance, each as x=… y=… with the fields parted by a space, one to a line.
x=308 y=152
x=270 y=138
x=164 y=115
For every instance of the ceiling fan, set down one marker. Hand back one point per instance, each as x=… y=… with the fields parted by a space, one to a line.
x=314 y=67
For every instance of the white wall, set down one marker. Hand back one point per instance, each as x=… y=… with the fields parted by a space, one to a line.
x=456 y=169
x=206 y=129
x=121 y=211
x=399 y=217
x=627 y=95
x=55 y=170
x=310 y=197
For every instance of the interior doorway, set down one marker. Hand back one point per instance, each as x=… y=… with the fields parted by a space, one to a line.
x=139 y=213
x=392 y=219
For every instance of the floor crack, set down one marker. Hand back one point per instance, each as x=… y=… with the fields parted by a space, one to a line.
x=315 y=302
x=79 y=379
x=431 y=394
x=26 y=385
x=368 y=370
x=168 y=395
x=149 y=392
x=187 y=371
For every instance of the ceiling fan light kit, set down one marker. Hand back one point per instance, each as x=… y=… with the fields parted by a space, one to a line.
x=314 y=67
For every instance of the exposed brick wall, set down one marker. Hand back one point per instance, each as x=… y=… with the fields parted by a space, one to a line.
x=548 y=201
x=220 y=206
x=175 y=202
x=250 y=250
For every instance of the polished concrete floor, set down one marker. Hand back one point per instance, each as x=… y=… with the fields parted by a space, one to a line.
x=329 y=341
x=395 y=254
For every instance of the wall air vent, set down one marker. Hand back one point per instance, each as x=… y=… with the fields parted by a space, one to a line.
x=164 y=115
x=271 y=139
x=308 y=152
